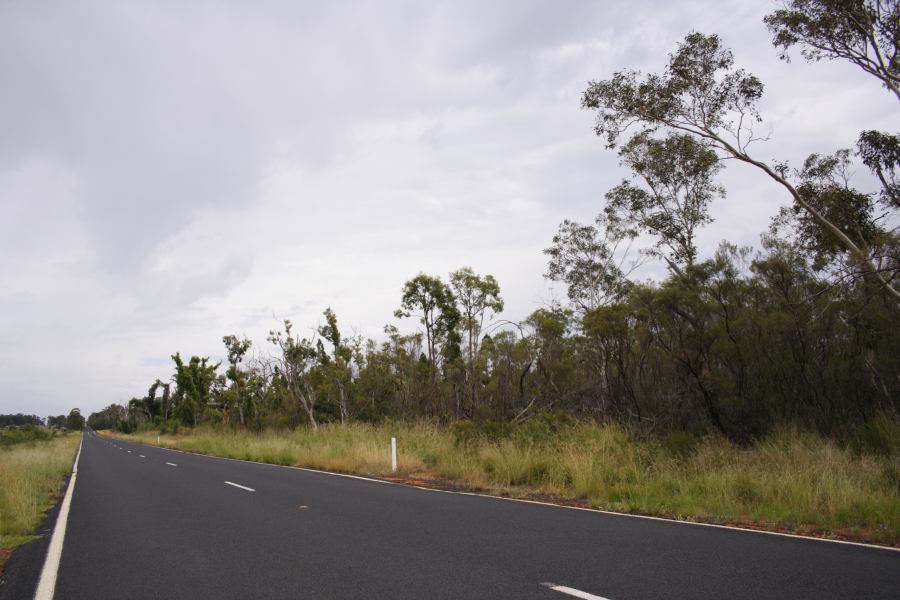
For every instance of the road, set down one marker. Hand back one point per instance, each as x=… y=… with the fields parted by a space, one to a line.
x=153 y=523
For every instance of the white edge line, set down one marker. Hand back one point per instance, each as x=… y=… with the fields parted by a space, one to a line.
x=573 y=592
x=47 y=581
x=243 y=487
x=540 y=503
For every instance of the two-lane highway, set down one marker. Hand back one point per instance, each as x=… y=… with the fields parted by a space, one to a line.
x=154 y=523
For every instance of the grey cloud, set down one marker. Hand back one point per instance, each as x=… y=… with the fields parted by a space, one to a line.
x=171 y=172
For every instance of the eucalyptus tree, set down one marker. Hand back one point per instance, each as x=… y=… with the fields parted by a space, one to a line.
x=194 y=382
x=339 y=363
x=588 y=259
x=881 y=153
x=261 y=386
x=56 y=421
x=702 y=94
x=111 y=417
x=554 y=357
x=298 y=369
x=75 y=420
x=165 y=402
x=431 y=301
x=824 y=182
x=237 y=395
x=864 y=32
x=478 y=297
x=677 y=174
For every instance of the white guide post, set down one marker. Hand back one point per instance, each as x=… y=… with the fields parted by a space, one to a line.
x=394 y=454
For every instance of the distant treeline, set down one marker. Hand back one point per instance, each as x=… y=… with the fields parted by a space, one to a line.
x=74 y=420
x=18 y=420
x=24 y=429
x=803 y=330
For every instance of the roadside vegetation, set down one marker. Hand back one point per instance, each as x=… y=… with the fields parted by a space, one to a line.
x=792 y=480
x=34 y=463
x=750 y=385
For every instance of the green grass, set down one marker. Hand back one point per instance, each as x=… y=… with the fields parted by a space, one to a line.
x=31 y=472
x=792 y=481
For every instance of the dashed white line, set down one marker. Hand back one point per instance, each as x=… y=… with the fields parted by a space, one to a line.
x=596 y=511
x=142 y=456
x=171 y=464
x=573 y=592
x=243 y=487
x=129 y=452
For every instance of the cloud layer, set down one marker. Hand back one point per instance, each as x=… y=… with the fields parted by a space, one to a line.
x=173 y=172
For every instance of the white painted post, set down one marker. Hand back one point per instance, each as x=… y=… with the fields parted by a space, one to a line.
x=394 y=454
x=157 y=439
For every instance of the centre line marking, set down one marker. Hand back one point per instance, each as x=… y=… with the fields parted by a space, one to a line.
x=129 y=452
x=243 y=487
x=142 y=456
x=171 y=464
x=573 y=592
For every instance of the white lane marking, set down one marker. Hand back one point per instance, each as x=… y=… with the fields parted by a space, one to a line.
x=47 y=581
x=243 y=487
x=573 y=592
x=171 y=464
x=596 y=511
x=129 y=452
x=142 y=456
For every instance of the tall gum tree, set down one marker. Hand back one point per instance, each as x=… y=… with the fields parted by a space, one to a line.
x=338 y=364
x=589 y=260
x=297 y=365
x=478 y=297
x=701 y=93
x=863 y=32
x=239 y=398
x=432 y=302
x=670 y=195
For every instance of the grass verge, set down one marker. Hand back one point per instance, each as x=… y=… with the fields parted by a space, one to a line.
x=31 y=475
x=792 y=481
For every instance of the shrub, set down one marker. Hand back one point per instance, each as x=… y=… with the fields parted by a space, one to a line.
x=679 y=444
x=879 y=436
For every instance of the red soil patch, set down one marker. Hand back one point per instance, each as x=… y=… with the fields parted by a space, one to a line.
x=5 y=553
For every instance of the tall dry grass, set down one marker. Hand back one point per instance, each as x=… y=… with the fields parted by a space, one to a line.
x=30 y=474
x=792 y=480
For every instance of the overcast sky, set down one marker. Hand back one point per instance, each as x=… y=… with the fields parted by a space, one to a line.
x=171 y=172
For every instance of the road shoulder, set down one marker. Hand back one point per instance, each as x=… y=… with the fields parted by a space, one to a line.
x=22 y=570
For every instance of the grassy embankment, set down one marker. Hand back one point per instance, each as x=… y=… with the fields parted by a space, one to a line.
x=33 y=467
x=791 y=481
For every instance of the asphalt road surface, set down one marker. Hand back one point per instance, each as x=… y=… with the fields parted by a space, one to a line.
x=155 y=523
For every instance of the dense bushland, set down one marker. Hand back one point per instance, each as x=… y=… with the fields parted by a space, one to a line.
x=733 y=346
